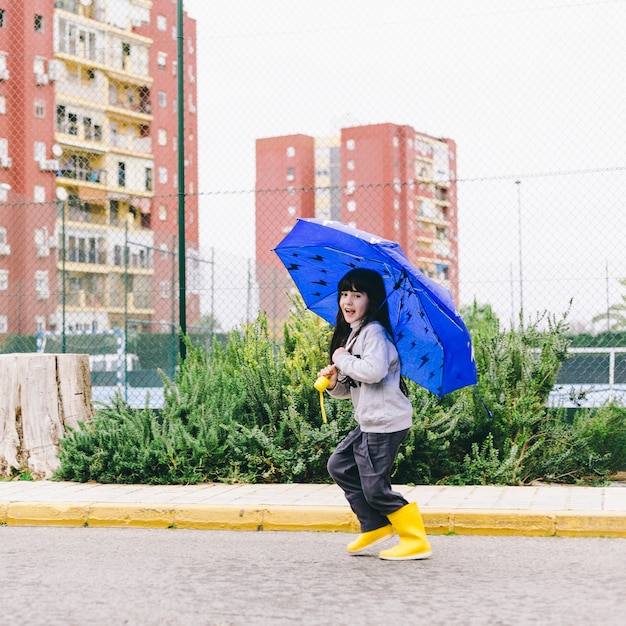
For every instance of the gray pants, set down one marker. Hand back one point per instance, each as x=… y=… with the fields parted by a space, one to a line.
x=361 y=465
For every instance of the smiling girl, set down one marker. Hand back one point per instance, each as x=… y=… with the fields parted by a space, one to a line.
x=366 y=368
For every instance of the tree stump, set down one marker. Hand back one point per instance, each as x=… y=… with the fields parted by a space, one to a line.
x=41 y=395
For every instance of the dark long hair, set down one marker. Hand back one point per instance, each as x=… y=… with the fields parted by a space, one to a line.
x=371 y=283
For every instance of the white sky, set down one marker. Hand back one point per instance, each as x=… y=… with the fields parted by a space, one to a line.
x=527 y=88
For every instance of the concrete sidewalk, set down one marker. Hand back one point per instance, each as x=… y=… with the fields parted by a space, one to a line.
x=546 y=510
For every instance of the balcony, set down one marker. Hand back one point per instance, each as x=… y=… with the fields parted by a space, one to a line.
x=76 y=7
x=131 y=143
x=139 y=106
x=84 y=174
x=93 y=257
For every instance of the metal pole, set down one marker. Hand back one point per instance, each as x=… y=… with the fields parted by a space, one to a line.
x=519 y=231
x=182 y=283
x=126 y=260
x=173 y=314
x=608 y=302
x=212 y=294
x=64 y=253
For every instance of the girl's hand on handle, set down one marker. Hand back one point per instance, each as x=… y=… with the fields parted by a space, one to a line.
x=330 y=372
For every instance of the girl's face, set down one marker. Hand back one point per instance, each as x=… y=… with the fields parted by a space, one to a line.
x=353 y=305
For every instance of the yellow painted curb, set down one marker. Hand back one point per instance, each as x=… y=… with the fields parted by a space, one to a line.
x=593 y=524
x=211 y=517
x=46 y=514
x=508 y=522
x=503 y=522
x=311 y=518
x=438 y=522
x=294 y=518
x=127 y=514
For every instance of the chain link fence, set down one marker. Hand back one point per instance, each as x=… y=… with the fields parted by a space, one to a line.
x=486 y=139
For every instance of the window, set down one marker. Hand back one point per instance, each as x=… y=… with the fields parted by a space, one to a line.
x=40 y=108
x=164 y=289
x=42 y=242
x=92 y=132
x=2 y=18
x=162 y=59
x=351 y=206
x=350 y=187
x=3 y=235
x=4 y=324
x=38 y=23
x=78 y=41
x=148 y=179
x=163 y=248
x=125 y=55
x=162 y=137
x=350 y=165
x=4 y=72
x=66 y=122
x=350 y=144
x=121 y=174
x=39 y=194
x=162 y=99
x=40 y=151
x=4 y=280
x=163 y=175
x=291 y=151
x=40 y=323
x=174 y=68
x=161 y=22
x=41 y=285
x=3 y=105
x=39 y=66
x=291 y=210
x=163 y=213
x=291 y=173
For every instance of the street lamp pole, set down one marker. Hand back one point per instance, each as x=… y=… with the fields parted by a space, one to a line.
x=182 y=285
x=519 y=233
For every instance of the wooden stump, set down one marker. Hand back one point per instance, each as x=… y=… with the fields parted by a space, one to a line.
x=40 y=396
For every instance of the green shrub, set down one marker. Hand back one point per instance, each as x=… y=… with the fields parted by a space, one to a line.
x=246 y=410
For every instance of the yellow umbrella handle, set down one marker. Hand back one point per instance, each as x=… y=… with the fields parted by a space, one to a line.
x=320 y=384
x=323 y=409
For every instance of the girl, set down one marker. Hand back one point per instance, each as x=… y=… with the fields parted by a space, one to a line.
x=366 y=368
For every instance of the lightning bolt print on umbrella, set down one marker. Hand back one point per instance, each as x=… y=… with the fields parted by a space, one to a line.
x=432 y=340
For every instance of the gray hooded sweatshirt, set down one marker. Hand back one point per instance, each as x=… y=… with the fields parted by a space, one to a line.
x=373 y=364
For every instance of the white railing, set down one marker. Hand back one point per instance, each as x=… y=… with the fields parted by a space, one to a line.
x=595 y=393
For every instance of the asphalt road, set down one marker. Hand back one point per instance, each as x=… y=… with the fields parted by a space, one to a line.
x=82 y=576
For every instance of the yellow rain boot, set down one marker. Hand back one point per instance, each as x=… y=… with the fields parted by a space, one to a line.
x=407 y=522
x=370 y=538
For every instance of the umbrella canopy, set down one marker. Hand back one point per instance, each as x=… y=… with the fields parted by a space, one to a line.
x=433 y=342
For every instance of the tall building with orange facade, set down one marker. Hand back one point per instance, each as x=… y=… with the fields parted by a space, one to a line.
x=386 y=179
x=89 y=163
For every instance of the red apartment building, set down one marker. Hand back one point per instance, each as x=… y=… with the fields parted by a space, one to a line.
x=386 y=179
x=89 y=164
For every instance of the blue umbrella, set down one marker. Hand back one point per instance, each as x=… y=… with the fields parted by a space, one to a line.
x=433 y=342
